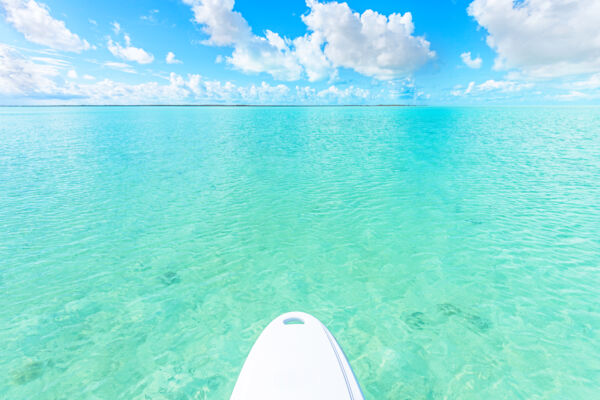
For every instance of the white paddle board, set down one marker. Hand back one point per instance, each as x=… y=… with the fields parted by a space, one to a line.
x=296 y=358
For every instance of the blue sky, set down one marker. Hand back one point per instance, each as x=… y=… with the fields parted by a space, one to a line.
x=459 y=52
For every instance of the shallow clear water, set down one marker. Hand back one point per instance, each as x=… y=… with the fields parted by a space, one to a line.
x=453 y=252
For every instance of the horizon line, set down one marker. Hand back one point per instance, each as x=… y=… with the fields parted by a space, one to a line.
x=298 y=105
x=213 y=105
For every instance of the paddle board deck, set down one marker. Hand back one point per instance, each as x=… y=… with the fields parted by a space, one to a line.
x=294 y=358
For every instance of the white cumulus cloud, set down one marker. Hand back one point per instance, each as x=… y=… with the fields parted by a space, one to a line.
x=223 y=26
x=372 y=44
x=34 y=21
x=474 y=63
x=170 y=58
x=129 y=52
x=308 y=51
x=383 y=47
x=543 y=38
x=252 y=54
x=270 y=54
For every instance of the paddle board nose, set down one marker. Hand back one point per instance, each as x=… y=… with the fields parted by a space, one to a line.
x=294 y=358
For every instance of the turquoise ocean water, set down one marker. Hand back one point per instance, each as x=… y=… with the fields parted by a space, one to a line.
x=453 y=252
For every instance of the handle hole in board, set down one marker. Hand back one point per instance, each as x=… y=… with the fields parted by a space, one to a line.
x=293 y=321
